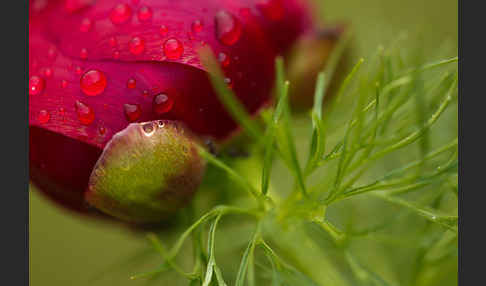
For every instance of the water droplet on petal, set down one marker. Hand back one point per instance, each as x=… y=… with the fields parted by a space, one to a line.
x=36 y=85
x=64 y=83
x=224 y=59
x=93 y=82
x=78 y=70
x=131 y=83
x=116 y=55
x=148 y=129
x=113 y=42
x=245 y=13
x=102 y=130
x=229 y=82
x=144 y=14
x=271 y=9
x=85 y=113
x=190 y=36
x=145 y=93
x=85 y=26
x=163 y=30
x=162 y=103
x=43 y=116
x=132 y=111
x=120 y=14
x=228 y=28
x=47 y=72
x=83 y=54
x=136 y=45
x=173 y=49
x=197 y=26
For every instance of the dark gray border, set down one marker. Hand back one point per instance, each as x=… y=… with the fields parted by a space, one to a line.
x=472 y=158
x=14 y=210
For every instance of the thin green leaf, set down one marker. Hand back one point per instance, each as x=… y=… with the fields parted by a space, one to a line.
x=317 y=147
x=381 y=182
x=291 y=150
x=417 y=134
x=282 y=88
x=447 y=221
x=212 y=262
x=348 y=79
x=240 y=276
x=336 y=55
x=160 y=269
x=157 y=244
x=220 y=164
x=219 y=276
x=432 y=65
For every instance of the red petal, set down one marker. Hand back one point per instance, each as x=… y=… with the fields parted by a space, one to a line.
x=69 y=38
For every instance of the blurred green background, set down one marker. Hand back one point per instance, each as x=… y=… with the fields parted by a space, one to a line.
x=68 y=250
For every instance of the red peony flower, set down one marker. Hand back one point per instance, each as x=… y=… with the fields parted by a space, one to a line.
x=97 y=66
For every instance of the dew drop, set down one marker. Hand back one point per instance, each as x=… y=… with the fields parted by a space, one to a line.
x=228 y=82
x=48 y=72
x=224 y=59
x=136 y=45
x=148 y=129
x=64 y=83
x=190 y=36
x=43 y=116
x=78 y=70
x=93 y=82
x=116 y=55
x=144 y=14
x=163 y=30
x=131 y=83
x=162 y=103
x=245 y=13
x=197 y=26
x=36 y=85
x=228 y=28
x=85 y=113
x=120 y=14
x=83 y=54
x=113 y=42
x=145 y=93
x=132 y=111
x=160 y=124
x=173 y=49
x=85 y=26
x=101 y=130
x=271 y=9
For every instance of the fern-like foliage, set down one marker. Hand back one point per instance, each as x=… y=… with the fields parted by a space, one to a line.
x=360 y=191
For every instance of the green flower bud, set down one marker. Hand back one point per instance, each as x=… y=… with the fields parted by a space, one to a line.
x=146 y=172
